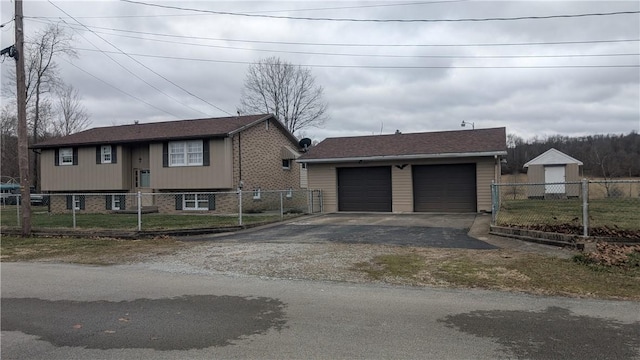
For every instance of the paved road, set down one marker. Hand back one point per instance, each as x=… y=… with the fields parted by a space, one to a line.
x=421 y=230
x=58 y=311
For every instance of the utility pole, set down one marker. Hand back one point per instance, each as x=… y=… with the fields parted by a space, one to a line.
x=23 y=145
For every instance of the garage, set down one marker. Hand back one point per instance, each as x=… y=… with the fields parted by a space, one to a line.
x=364 y=189
x=444 y=188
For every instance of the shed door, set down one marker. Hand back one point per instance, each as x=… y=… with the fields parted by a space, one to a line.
x=554 y=174
x=444 y=188
x=364 y=189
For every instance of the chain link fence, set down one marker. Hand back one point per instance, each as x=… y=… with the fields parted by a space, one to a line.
x=608 y=208
x=161 y=211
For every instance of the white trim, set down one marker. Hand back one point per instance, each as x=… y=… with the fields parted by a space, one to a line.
x=115 y=199
x=61 y=156
x=257 y=194
x=404 y=157
x=185 y=153
x=103 y=154
x=196 y=202
x=555 y=157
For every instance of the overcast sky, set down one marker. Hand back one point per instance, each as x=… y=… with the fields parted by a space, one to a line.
x=582 y=77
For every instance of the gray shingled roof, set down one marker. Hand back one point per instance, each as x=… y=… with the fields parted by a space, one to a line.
x=480 y=141
x=181 y=129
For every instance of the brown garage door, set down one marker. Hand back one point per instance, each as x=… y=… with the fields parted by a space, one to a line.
x=444 y=188
x=364 y=189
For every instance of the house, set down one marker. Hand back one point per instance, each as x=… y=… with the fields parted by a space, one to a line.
x=448 y=171
x=200 y=155
x=553 y=168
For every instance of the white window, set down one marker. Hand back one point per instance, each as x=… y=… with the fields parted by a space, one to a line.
x=185 y=153
x=195 y=202
x=77 y=203
x=286 y=164
x=66 y=156
x=289 y=193
x=256 y=194
x=115 y=202
x=106 y=154
x=304 y=165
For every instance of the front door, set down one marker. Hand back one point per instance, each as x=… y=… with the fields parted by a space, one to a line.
x=555 y=176
x=142 y=183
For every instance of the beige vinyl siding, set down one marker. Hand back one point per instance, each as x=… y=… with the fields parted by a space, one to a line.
x=86 y=176
x=324 y=177
x=401 y=189
x=485 y=172
x=535 y=175
x=218 y=175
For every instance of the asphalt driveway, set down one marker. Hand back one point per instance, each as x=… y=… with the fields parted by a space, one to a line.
x=421 y=230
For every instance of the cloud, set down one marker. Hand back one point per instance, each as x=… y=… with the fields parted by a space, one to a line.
x=363 y=101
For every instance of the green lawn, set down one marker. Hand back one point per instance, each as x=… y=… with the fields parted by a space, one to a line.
x=41 y=219
x=623 y=213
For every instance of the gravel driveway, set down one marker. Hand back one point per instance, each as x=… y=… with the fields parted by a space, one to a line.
x=327 y=247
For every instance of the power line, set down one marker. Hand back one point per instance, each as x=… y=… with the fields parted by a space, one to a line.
x=146 y=67
x=120 y=90
x=384 y=20
x=367 y=55
x=362 y=45
x=270 y=11
x=389 y=67
x=134 y=74
x=402 y=56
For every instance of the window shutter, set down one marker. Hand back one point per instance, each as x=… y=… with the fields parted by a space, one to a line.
x=75 y=156
x=212 y=201
x=114 y=154
x=205 y=153
x=69 y=202
x=123 y=202
x=165 y=155
x=178 y=202
x=107 y=202
x=56 y=160
x=98 y=154
x=81 y=202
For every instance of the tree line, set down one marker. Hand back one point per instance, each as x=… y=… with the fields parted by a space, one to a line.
x=606 y=156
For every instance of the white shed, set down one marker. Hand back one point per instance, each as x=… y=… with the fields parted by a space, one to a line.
x=553 y=168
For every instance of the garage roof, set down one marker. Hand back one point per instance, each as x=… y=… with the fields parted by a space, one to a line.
x=461 y=143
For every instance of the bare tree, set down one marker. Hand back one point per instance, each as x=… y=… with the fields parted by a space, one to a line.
x=72 y=115
x=9 y=141
x=42 y=79
x=285 y=90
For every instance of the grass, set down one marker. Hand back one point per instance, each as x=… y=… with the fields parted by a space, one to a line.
x=623 y=213
x=42 y=219
x=406 y=265
x=83 y=251
x=504 y=270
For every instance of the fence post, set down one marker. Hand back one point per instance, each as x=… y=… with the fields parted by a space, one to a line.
x=281 y=207
x=310 y=201
x=585 y=207
x=18 y=200
x=139 y=211
x=73 y=209
x=494 y=200
x=321 y=201
x=240 y=207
